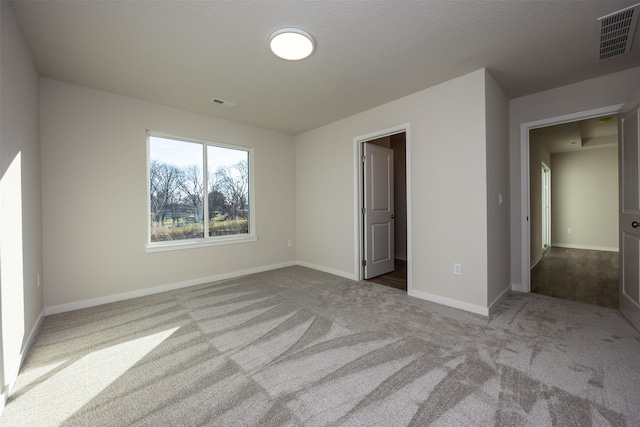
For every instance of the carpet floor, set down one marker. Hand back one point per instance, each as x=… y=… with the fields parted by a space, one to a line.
x=581 y=275
x=298 y=347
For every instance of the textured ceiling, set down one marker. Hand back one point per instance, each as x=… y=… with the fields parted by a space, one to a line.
x=184 y=53
x=589 y=134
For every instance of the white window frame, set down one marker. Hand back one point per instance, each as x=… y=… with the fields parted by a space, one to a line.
x=206 y=241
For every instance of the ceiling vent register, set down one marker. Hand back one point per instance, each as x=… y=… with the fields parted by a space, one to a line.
x=616 y=32
x=222 y=102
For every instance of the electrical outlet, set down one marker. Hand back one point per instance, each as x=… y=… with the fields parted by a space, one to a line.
x=39 y=280
x=290 y=243
x=457 y=269
x=570 y=230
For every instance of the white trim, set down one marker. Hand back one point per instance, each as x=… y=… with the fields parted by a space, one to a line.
x=472 y=308
x=632 y=102
x=357 y=206
x=175 y=245
x=525 y=262
x=496 y=302
x=409 y=209
x=546 y=215
x=339 y=273
x=516 y=287
x=158 y=289
x=536 y=261
x=206 y=240
x=32 y=336
x=587 y=247
x=12 y=377
x=357 y=179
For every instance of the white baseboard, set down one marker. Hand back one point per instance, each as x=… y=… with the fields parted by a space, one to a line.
x=517 y=287
x=496 y=302
x=344 y=274
x=4 y=396
x=483 y=311
x=587 y=247
x=32 y=336
x=158 y=289
x=417 y=294
x=536 y=261
x=12 y=377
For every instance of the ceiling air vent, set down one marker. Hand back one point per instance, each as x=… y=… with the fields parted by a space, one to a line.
x=222 y=102
x=616 y=32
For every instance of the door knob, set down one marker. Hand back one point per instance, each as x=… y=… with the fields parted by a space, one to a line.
x=393 y=216
x=635 y=224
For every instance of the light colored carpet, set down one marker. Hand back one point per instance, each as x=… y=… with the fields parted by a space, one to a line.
x=298 y=347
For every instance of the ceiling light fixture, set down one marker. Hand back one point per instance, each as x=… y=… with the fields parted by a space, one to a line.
x=292 y=44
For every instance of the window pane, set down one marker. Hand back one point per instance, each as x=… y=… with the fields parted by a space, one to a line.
x=177 y=189
x=228 y=171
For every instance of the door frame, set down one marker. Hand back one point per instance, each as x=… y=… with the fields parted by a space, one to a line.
x=358 y=200
x=628 y=306
x=546 y=207
x=525 y=262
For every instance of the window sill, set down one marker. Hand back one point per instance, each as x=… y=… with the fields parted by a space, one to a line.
x=194 y=244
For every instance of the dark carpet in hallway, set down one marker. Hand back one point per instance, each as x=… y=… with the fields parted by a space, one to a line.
x=578 y=275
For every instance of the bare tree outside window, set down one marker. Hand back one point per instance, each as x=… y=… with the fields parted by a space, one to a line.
x=181 y=178
x=229 y=183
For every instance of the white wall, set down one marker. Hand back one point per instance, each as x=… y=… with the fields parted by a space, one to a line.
x=94 y=198
x=497 y=118
x=447 y=144
x=584 y=196
x=587 y=95
x=20 y=207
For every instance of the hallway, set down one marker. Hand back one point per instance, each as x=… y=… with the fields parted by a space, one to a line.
x=579 y=275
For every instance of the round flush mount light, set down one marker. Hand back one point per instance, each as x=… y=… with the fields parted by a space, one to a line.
x=291 y=43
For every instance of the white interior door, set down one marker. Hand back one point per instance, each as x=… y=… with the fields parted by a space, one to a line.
x=630 y=216
x=378 y=211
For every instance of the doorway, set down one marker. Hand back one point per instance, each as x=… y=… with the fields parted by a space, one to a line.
x=395 y=140
x=573 y=221
x=525 y=168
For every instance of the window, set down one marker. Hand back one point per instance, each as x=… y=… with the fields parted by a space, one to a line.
x=199 y=193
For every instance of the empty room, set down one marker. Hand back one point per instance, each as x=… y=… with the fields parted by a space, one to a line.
x=199 y=200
